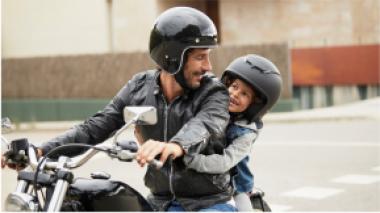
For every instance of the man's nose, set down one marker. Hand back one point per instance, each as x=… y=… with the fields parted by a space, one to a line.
x=206 y=65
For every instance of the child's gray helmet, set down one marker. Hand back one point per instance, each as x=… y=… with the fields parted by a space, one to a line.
x=264 y=78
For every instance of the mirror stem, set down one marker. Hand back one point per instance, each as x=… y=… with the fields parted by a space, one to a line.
x=134 y=120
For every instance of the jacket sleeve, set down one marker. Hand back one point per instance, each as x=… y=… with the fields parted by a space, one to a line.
x=211 y=120
x=95 y=129
x=217 y=164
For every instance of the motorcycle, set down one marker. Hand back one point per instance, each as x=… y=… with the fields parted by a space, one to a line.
x=49 y=185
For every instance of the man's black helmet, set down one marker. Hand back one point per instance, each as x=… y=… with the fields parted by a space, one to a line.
x=175 y=31
x=264 y=78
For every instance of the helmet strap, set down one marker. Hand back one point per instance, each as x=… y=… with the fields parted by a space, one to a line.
x=180 y=75
x=180 y=78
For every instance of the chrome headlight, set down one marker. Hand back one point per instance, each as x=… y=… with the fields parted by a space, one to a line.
x=17 y=201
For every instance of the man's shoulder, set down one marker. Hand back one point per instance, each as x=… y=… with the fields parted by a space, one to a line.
x=139 y=80
x=145 y=75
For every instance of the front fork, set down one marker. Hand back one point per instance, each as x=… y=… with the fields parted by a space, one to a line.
x=22 y=186
x=65 y=177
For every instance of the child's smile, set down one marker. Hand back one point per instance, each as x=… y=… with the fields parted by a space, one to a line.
x=241 y=96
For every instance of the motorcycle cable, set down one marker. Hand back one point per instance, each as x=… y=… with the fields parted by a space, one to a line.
x=51 y=152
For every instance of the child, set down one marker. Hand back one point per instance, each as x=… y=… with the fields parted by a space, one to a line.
x=254 y=84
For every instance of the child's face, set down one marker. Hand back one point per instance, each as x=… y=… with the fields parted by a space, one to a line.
x=241 y=96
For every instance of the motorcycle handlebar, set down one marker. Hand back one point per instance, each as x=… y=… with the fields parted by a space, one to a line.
x=111 y=150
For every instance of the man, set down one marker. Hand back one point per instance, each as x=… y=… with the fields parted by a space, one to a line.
x=192 y=111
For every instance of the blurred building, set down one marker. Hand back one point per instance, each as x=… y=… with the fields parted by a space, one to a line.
x=334 y=46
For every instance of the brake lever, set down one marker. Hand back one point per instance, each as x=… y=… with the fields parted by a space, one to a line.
x=126 y=150
x=128 y=156
x=125 y=155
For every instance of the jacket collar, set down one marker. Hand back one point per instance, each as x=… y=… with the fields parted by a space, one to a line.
x=255 y=125
x=157 y=86
x=156 y=83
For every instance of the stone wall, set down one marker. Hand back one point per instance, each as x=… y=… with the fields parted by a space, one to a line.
x=101 y=76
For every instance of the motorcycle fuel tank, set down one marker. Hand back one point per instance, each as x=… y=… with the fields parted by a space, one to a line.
x=104 y=195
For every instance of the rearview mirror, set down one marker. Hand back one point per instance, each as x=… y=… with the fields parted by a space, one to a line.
x=6 y=124
x=144 y=115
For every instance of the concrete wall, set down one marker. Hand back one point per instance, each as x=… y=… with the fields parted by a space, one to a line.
x=54 y=27
x=165 y=4
x=131 y=24
x=67 y=27
x=304 y=23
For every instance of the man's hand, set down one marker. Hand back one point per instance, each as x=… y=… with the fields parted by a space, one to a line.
x=39 y=153
x=171 y=149
x=15 y=166
x=151 y=148
x=12 y=165
x=3 y=161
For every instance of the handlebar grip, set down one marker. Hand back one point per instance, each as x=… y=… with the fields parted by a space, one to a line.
x=156 y=163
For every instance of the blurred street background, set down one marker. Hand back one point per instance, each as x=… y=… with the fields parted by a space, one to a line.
x=313 y=160
x=63 y=60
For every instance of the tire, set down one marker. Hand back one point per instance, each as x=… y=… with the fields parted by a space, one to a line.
x=259 y=204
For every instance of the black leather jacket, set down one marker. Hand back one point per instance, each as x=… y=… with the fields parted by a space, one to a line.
x=195 y=120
